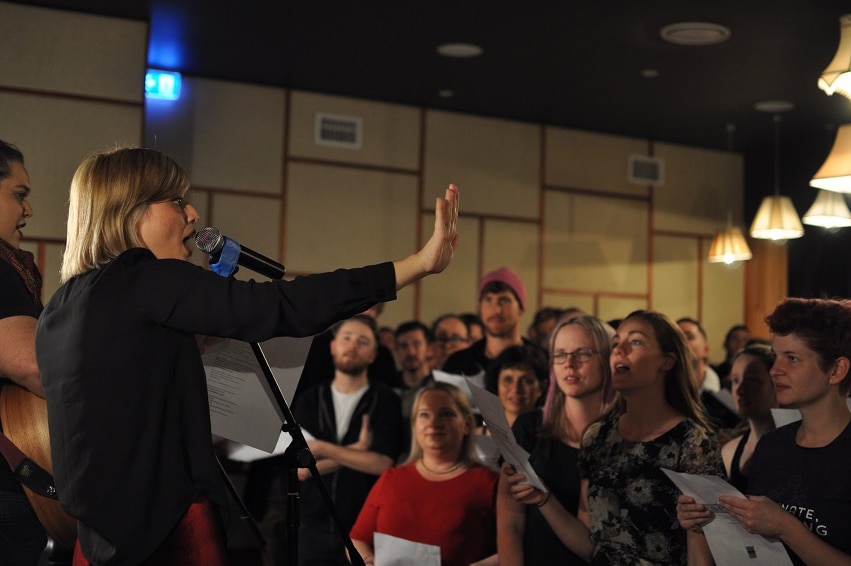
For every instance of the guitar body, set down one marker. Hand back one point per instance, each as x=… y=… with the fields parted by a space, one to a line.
x=24 y=418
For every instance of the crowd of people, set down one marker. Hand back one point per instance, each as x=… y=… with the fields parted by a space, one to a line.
x=600 y=406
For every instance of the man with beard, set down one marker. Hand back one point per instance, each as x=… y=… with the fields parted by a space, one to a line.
x=354 y=430
x=502 y=299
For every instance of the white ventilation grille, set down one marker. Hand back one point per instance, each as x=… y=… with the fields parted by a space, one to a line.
x=338 y=131
x=645 y=170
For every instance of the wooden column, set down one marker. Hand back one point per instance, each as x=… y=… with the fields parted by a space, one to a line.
x=766 y=283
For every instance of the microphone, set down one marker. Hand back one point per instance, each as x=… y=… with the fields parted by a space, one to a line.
x=225 y=253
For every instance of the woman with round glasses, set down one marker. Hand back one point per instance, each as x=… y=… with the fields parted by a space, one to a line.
x=579 y=391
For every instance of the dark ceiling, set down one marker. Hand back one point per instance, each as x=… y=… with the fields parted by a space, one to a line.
x=573 y=63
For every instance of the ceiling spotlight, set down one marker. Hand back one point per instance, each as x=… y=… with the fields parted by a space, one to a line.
x=460 y=50
x=695 y=33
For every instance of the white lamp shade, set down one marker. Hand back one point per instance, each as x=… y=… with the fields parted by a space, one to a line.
x=835 y=172
x=728 y=246
x=776 y=219
x=837 y=76
x=829 y=211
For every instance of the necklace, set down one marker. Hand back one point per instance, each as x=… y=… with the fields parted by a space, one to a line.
x=448 y=470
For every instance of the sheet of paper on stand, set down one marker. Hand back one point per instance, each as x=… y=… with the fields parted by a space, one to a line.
x=460 y=382
x=494 y=417
x=729 y=541
x=242 y=406
x=243 y=453
x=395 y=551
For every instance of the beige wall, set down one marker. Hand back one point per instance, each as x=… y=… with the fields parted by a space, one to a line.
x=70 y=84
x=553 y=203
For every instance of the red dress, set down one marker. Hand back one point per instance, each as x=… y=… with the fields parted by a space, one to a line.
x=458 y=515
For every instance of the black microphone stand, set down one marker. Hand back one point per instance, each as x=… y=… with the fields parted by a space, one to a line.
x=298 y=455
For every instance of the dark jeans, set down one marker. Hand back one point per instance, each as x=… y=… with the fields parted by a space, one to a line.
x=22 y=537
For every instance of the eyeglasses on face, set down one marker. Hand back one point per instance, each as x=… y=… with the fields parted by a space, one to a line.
x=580 y=356
x=454 y=339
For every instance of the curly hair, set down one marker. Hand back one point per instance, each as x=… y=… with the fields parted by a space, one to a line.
x=824 y=325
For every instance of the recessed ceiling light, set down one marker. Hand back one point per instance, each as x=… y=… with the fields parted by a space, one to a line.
x=774 y=106
x=445 y=93
x=460 y=50
x=649 y=73
x=695 y=33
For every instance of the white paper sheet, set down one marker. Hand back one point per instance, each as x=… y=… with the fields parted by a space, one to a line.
x=395 y=551
x=242 y=453
x=460 y=382
x=487 y=451
x=242 y=406
x=494 y=417
x=728 y=540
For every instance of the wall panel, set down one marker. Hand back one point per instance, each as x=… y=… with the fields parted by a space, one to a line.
x=676 y=276
x=241 y=148
x=587 y=160
x=391 y=133
x=701 y=186
x=72 y=53
x=338 y=216
x=495 y=163
x=595 y=243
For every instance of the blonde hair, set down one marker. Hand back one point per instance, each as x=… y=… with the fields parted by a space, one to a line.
x=110 y=193
x=468 y=450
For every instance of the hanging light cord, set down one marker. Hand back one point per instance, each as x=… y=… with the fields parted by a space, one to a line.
x=777 y=120
x=731 y=129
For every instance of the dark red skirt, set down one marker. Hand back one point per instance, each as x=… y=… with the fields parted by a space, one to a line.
x=197 y=540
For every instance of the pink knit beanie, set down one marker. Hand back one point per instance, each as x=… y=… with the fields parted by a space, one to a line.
x=505 y=275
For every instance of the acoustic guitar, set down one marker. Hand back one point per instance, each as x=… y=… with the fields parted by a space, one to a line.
x=24 y=418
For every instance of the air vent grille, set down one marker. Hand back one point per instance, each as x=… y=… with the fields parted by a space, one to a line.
x=338 y=131
x=645 y=170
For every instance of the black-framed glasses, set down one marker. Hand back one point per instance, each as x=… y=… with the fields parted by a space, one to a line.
x=454 y=339
x=580 y=356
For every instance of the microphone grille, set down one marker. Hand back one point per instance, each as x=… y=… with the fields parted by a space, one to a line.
x=209 y=240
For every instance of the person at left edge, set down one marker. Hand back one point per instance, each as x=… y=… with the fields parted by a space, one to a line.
x=122 y=373
x=22 y=537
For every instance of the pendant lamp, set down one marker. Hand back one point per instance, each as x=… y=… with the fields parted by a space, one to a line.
x=835 y=172
x=829 y=211
x=729 y=244
x=837 y=76
x=776 y=218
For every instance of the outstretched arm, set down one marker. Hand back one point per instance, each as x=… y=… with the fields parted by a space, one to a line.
x=438 y=251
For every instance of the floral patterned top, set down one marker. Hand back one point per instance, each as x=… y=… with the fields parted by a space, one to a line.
x=631 y=502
